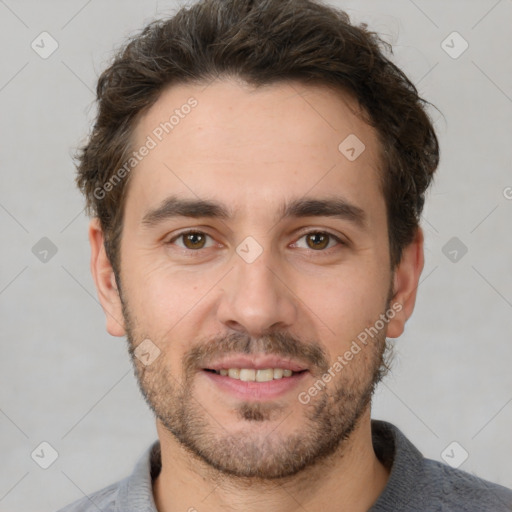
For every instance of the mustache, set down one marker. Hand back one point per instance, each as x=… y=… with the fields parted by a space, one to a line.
x=277 y=343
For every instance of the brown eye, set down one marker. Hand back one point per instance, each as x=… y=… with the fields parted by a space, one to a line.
x=317 y=240
x=192 y=240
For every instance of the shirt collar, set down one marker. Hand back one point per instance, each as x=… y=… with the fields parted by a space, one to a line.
x=397 y=453
x=136 y=492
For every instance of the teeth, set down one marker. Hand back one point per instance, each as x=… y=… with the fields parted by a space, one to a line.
x=264 y=375
x=234 y=373
x=278 y=373
x=247 y=375
x=252 y=375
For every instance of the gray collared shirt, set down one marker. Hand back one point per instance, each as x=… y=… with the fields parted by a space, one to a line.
x=415 y=483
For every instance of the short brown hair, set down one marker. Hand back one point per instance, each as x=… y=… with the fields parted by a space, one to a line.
x=261 y=42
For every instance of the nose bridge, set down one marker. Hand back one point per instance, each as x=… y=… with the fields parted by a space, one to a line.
x=255 y=297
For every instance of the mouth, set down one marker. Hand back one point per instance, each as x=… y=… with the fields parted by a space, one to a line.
x=255 y=375
x=255 y=378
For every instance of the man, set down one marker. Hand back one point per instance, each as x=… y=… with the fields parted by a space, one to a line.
x=256 y=175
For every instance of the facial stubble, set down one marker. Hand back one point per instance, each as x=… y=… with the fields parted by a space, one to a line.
x=329 y=419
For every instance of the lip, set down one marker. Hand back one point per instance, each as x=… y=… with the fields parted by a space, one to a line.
x=256 y=362
x=255 y=391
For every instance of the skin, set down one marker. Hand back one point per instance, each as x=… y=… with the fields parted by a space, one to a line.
x=252 y=150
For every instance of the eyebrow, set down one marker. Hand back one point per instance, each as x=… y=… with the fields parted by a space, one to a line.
x=175 y=206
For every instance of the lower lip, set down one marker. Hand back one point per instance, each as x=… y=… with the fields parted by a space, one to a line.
x=256 y=390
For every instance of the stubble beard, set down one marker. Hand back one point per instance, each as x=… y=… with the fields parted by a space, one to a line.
x=249 y=454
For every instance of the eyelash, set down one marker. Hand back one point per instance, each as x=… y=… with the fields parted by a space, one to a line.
x=198 y=232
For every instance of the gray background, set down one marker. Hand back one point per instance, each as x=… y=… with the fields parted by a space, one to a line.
x=65 y=381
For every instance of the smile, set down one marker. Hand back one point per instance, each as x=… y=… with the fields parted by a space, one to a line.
x=253 y=375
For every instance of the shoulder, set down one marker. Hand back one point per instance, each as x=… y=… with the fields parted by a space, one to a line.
x=123 y=495
x=417 y=483
x=457 y=489
x=103 y=500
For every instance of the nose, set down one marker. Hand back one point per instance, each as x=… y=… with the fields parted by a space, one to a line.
x=257 y=297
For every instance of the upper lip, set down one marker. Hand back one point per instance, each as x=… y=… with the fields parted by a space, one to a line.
x=256 y=362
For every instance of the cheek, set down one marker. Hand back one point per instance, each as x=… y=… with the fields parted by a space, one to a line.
x=345 y=304
x=163 y=298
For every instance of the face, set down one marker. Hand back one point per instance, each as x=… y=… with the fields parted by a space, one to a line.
x=253 y=246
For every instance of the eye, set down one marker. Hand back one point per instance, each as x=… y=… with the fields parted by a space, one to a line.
x=320 y=240
x=192 y=240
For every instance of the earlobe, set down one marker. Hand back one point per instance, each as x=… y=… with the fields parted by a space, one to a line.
x=406 y=279
x=104 y=279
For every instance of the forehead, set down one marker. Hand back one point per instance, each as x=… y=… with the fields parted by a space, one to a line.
x=253 y=146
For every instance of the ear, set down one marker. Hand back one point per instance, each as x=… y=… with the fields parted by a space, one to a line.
x=406 y=279
x=104 y=279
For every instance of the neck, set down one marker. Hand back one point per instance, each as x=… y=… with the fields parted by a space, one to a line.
x=351 y=479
